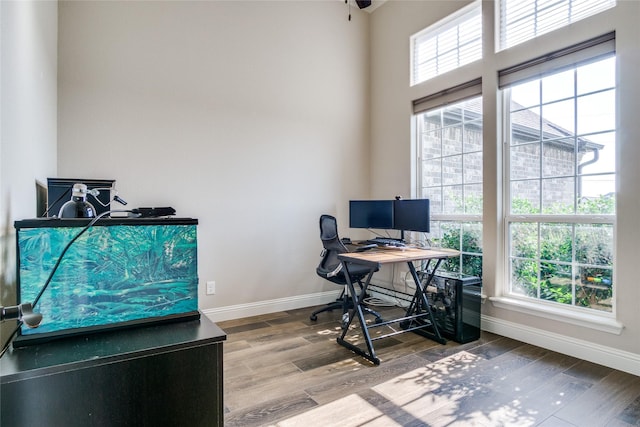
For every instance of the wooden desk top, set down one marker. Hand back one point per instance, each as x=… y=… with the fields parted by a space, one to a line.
x=391 y=255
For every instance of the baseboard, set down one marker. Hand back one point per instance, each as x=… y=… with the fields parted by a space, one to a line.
x=585 y=350
x=271 y=306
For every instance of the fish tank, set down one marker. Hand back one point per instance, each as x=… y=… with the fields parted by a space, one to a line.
x=121 y=272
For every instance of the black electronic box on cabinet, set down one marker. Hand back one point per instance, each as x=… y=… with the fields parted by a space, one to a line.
x=455 y=301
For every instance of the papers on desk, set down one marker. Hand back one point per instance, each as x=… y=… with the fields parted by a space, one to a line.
x=395 y=248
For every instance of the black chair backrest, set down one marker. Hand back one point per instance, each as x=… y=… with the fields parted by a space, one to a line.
x=333 y=246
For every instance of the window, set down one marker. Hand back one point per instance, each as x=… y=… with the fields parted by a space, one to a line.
x=522 y=20
x=447 y=45
x=561 y=173
x=449 y=153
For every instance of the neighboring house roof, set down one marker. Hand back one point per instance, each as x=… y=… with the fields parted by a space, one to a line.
x=527 y=124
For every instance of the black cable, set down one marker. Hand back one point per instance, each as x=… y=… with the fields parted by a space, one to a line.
x=13 y=334
x=53 y=271
x=66 y=248
x=57 y=200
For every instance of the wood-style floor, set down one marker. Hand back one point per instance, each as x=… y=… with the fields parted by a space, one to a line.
x=282 y=369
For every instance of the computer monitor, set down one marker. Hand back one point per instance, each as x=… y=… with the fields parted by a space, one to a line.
x=411 y=215
x=371 y=214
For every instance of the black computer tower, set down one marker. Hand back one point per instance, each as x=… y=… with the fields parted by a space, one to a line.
x=455 y=301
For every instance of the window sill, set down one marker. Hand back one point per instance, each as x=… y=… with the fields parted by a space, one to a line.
x=587 y=320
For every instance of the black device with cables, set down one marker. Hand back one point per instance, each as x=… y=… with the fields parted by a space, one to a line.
x=59 y=191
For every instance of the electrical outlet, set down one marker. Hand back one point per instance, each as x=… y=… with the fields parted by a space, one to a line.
x=211 y=287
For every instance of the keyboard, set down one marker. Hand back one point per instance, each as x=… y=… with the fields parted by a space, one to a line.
x=384 y=241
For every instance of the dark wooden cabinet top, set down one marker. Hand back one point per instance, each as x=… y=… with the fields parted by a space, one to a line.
x=106 y=347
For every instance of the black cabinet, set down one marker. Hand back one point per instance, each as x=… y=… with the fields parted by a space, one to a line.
x=155 y=375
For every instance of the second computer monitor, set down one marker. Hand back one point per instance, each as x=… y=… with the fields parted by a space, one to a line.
x=411 y=215
x=371 y=214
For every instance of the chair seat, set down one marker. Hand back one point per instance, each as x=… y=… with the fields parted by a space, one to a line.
x=329 y=267
x=356 y=272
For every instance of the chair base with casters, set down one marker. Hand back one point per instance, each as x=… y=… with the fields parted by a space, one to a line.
x=331 y=269
x=335 y=305
x=339 y=304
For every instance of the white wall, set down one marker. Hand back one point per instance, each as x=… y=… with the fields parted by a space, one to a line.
x=391 y=27
x=251 y=116
x=28 y=121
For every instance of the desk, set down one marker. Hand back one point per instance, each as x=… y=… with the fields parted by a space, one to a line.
x=418 y=317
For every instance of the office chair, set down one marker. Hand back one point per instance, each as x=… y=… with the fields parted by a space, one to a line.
x=331 y=269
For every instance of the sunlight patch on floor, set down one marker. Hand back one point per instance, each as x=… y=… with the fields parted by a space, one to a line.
x=350 y=411
x=426 y=394
x=414 y=385
x=504 y=416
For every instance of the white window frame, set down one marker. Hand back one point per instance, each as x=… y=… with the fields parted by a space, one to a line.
x=437 y=101
x=460 y=31
x=604 y=321
x=532 y=18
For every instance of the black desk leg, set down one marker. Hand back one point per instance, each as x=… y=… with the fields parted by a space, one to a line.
x=358 y=301
x=420 y=302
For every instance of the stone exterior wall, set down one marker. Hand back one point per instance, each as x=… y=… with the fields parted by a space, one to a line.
x=461 y=165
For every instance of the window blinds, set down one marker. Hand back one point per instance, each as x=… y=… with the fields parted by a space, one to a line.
x=448 y=96
x=447 y=45
x=569 y=57
x=522 y=20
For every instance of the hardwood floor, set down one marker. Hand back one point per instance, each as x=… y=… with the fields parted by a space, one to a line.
x=282 y=369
